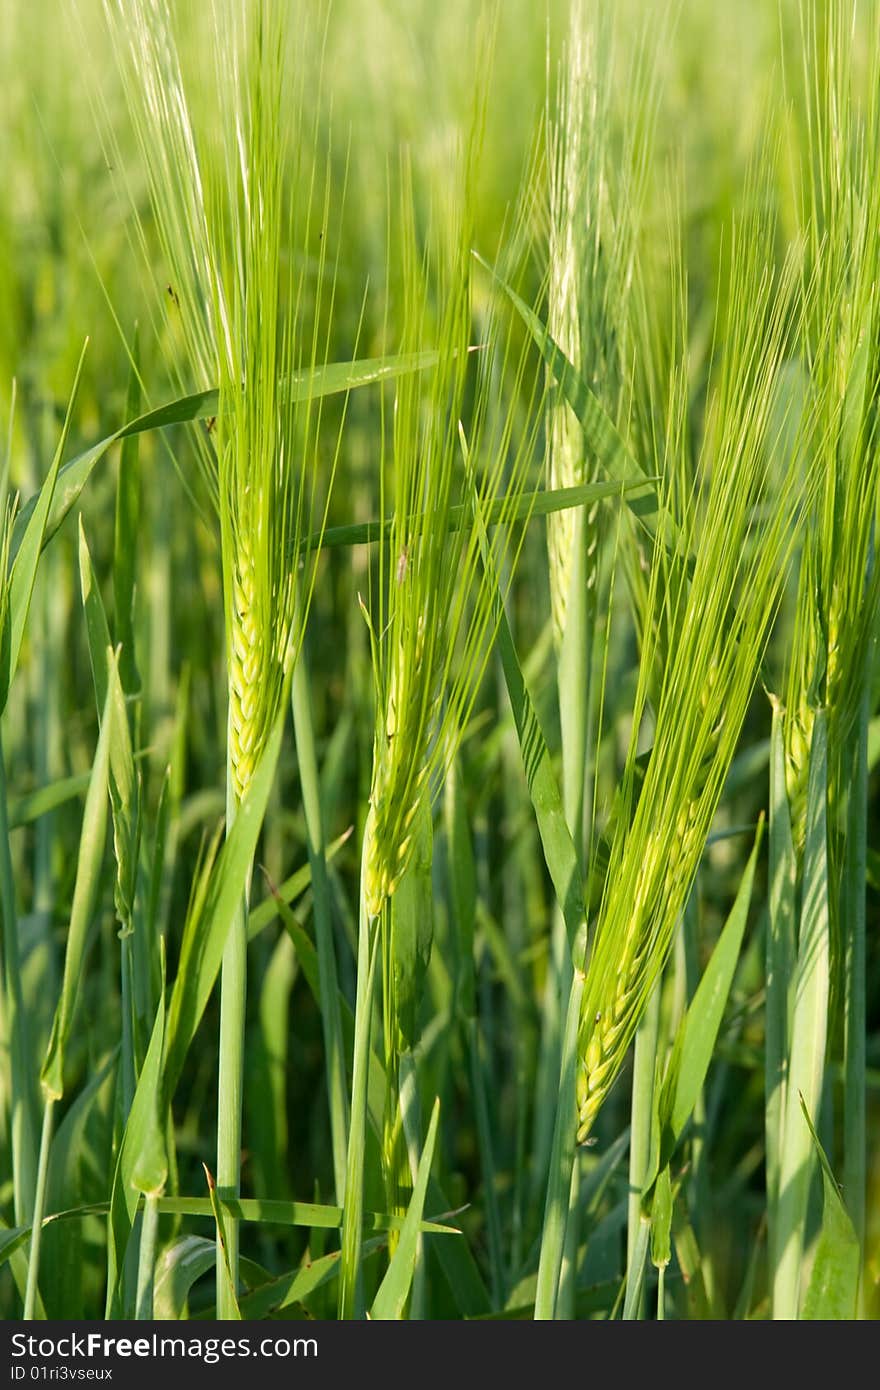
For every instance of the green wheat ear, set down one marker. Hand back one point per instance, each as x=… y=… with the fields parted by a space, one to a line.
x=248 y=313
x=705 y=655
x=433 y=624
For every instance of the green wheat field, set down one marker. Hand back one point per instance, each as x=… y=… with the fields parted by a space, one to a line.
x=439 y=848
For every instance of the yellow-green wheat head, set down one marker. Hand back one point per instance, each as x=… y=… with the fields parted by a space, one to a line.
x=717 y=599
x=839 y=587
x=235 y=165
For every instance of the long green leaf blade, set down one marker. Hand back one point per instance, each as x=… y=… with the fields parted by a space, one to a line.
x=29 y=532
x=602 y=436
x=702 y=1022
x=202 y=949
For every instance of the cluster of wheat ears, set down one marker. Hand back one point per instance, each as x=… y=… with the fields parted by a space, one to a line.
x=539 y=434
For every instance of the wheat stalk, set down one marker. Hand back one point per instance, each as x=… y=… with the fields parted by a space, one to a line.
x=705 y=655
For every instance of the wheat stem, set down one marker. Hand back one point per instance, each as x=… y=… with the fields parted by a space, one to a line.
x=31 y=1294
x=641 y=1110
x=331 y=1020
x=233 y=1003
x=350 y=1293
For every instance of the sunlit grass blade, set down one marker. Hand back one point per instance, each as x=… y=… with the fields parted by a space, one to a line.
x=22 y=1096
x=124 y=791
x=833 y=1289
x=563 y=861
x=16 y=591
x=23 y=810
x=125 y=533
x=855 y=989
x=283 y=894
